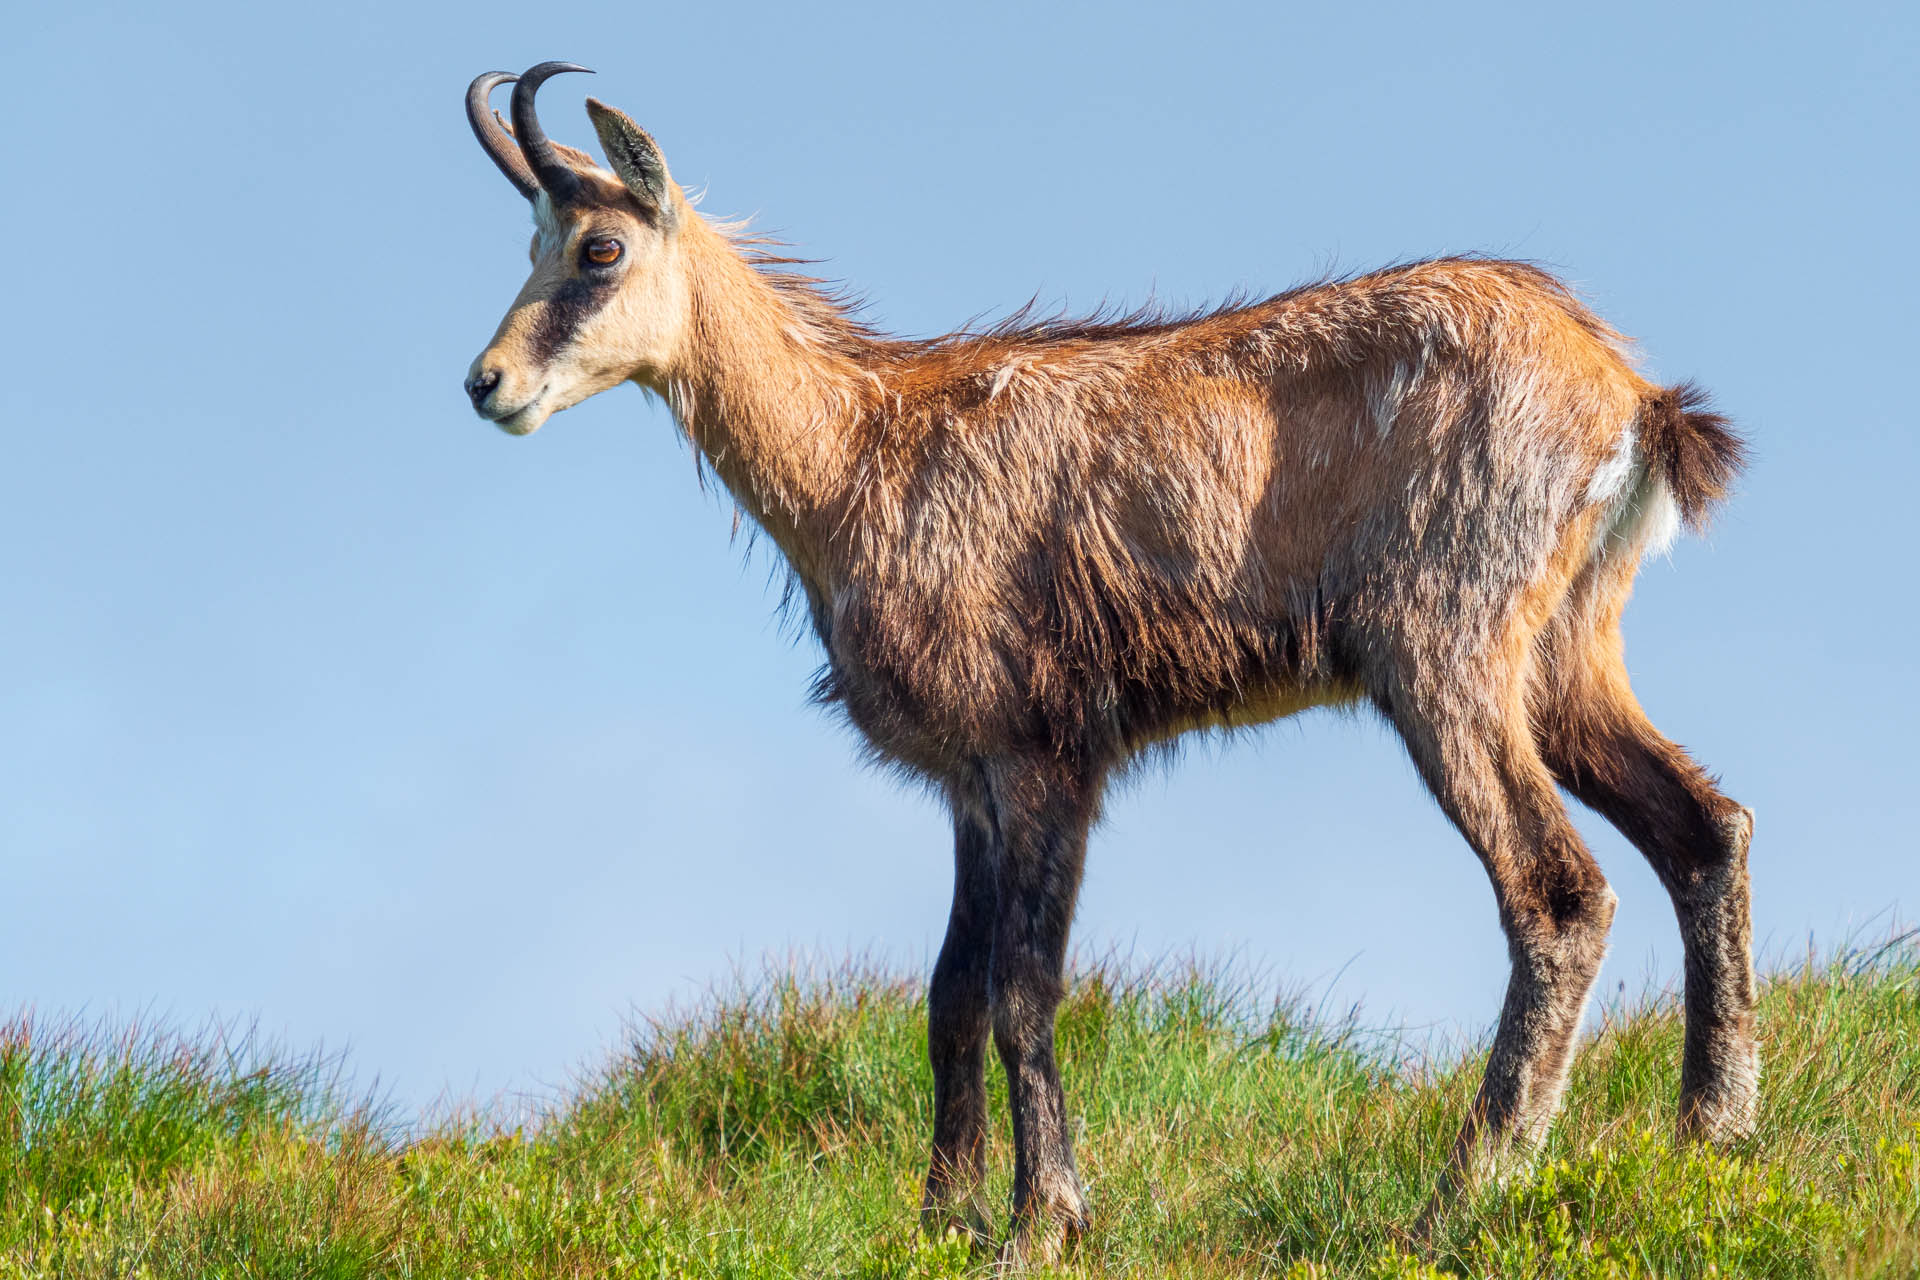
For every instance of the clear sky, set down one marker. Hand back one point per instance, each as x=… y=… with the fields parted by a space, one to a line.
x=324 y=703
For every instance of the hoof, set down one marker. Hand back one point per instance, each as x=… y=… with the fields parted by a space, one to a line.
x=954 y=1223
x=1042 y=1237
x=1480 y=1163
x=1727 y=1114
x=965 y=1216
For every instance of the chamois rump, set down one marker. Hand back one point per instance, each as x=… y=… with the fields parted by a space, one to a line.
x=1034 y=551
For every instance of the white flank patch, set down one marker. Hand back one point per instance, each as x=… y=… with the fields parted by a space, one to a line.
x=1643 y=511
x=1659 y=518
x=1002 y=376
x=1611 y=478
x=1385 y=397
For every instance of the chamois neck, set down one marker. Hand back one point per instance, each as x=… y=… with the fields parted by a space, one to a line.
x=767 y=388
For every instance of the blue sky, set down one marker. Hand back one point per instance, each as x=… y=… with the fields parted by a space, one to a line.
x=327 y=705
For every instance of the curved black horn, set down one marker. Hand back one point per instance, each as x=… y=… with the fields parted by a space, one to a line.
x=494 y=140
x=555 y=175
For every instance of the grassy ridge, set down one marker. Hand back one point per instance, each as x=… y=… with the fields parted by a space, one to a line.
x=781 y=1132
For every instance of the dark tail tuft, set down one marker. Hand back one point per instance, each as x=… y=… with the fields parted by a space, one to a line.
x=1696 y=449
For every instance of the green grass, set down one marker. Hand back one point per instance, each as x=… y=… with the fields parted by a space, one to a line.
x=780 y=1131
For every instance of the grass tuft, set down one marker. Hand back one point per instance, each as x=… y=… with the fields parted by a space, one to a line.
x=779 y=1128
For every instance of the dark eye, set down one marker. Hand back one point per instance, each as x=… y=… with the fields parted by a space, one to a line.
x=603 y=252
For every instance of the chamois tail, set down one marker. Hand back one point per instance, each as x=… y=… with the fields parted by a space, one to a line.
x=1693 y=449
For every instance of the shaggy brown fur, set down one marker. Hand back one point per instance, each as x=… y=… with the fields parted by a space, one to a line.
x=1033 y=552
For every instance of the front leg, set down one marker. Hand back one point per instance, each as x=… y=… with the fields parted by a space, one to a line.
x=957 y=1039
x=1043 y=816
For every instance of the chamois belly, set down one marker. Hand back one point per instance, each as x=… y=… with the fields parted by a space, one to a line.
x=1262 y=706
x=935 y=689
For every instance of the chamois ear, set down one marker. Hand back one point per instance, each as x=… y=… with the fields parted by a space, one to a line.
x=635 y=157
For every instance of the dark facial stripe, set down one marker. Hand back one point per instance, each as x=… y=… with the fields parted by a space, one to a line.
x=561 y=316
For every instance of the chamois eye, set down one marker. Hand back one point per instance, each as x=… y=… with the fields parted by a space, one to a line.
x=603 y=252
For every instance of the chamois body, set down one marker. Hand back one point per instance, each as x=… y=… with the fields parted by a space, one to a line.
x=1034 y=552
x=1081 y=541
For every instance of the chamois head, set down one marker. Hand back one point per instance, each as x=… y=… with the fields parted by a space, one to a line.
x=606 y=301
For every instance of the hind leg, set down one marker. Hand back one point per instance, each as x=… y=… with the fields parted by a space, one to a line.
x=1601 y=747
x=1469 y=737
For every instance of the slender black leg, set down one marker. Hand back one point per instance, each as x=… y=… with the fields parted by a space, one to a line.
x=1043 y=819
x=957 y=1028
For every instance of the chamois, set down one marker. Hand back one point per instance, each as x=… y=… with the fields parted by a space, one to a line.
x=1033 y=551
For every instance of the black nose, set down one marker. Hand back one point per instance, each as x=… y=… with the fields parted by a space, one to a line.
x=481 y=385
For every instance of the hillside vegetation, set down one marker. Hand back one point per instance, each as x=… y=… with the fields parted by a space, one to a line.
x=780 y=1132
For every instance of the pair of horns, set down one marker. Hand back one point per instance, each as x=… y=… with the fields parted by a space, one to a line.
x=531 y=162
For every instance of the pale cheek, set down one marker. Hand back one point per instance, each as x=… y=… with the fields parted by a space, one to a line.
x=646 y=326
x=605 y=352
